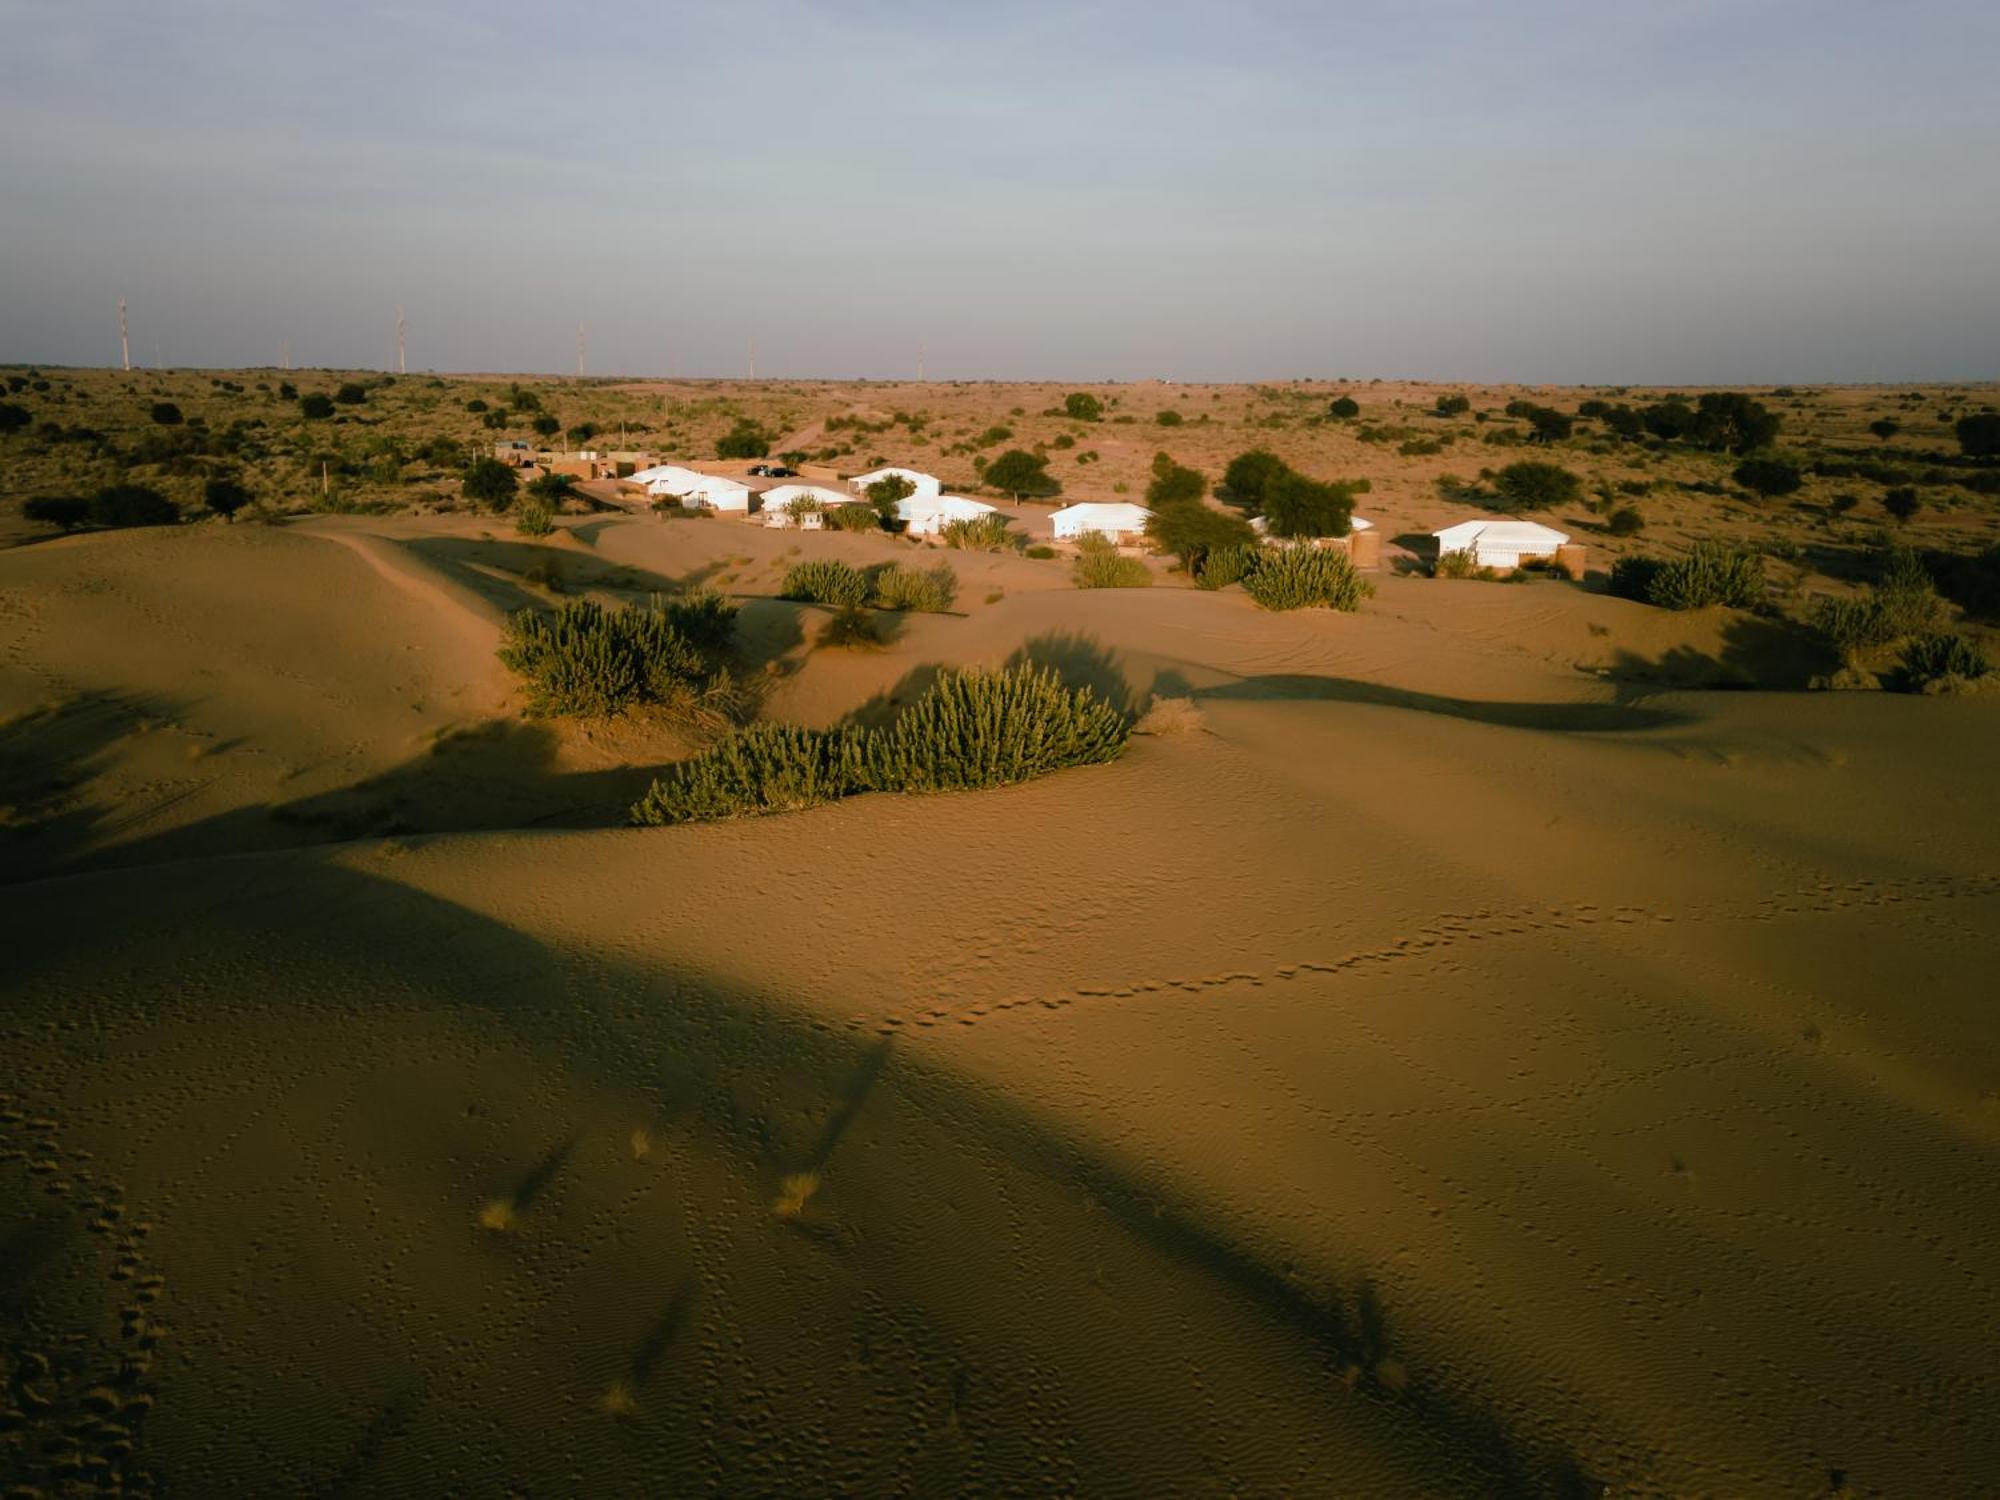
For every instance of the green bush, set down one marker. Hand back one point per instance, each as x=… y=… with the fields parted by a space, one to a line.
x=970 y=730
x=1942 y=662
x=766 y=768
x=351 y=394
x=1769 y=475
x=745 y=440
x=981 y=729
x=1532 y=485
x=166 y=414
x=1296 y=506
x=1226 y=565
x=1979 y=434
x=981 y=533
x=1625 y=521
x=13 y=418
x=1306 y=577
x=1452 y=405
x=66 y=511
x=1174 y=484
x=1081 y=406
x=490 y=482
x=1711 y=574
x=925 y=590
x=1021 y=474
x=1040 y=552
x=1461 y=564
x=1902 y=502
x=1343 y=408
x=1168 y=417
x=316 y=406
x=225 y=496
x=1099 y=565
x=825 y=581
x=533 y=519
x=132 y=505
x=1191 y=531
x=853 y=518
x=586 y=659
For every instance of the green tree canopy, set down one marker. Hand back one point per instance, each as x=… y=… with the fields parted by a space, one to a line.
x=1022 y=474
x=1531 y=485
x=1191 y=530
x=1769 y=474
x=1729 y=421
x=490 y=482
x=1173 y=484
x=1979 y=434
x=745 y=440
x=225 y=496
x=1082 y=406
x=1296 y=506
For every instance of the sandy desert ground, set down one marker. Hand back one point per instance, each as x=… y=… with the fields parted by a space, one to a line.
x=1466 y=1062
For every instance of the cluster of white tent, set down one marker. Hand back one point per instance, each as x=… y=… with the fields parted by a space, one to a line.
x=694 y=490
x=1501 y=545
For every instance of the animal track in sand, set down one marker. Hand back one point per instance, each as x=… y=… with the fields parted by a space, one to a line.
x=74 y=1408
x=1449 y=930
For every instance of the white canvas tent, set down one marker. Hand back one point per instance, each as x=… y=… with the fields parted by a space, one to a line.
x=927 y=515
x=713 y=492
x=1117 y=520
x=667 y=479
x=775 y=503
x=1500 y=544
x=928 y=485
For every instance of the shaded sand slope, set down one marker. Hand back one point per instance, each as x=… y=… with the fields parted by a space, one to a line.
x=1363 y=1095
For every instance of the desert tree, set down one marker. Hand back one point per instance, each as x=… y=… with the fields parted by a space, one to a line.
x=1022 y=474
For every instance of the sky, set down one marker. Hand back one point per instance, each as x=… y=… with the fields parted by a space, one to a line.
x=1618 y=191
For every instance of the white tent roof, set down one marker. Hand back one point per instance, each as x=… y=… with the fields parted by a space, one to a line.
x=1506 y=536
x=924 y=482
x=950 y=507
x=1119 y=515
x=668 y=479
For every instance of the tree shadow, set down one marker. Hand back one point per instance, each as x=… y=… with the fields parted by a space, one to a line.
x=860 y=1084
x=1757 y=654
x=1080 y=662
x=661 y=1336
x=1565 y=718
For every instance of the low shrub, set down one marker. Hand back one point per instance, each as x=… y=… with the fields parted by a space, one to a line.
x=1625 y=521
x=926 y=590
x=1711 y=574
x=1942 y=663
x=766 y=768
x=1305 y=577
x=1226 y=565
x=825 y=581
x=585 y=659
x=983 y=533
x=1461 y=564
x=1100 y=565
x=981 y=729
x=533 y=519
x=1041 y=552
x=853 y=518
x=971 y=729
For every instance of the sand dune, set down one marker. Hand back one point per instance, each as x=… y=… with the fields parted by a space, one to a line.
x=1463 y=1065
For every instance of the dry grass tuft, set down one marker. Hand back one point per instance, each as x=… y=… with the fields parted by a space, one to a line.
x=497 y=1215
x=1172 y=716
x=642 y=1145
x=794 y=1193
x=619 y=1401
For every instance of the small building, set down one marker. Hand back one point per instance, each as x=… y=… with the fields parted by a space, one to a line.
x=927 y=485
x=1117 y=521
x=927 y=515
x=1502 y=545
x=514 y=453
x=775 y=504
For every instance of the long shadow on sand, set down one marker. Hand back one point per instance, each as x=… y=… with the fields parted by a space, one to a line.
x=361 y=935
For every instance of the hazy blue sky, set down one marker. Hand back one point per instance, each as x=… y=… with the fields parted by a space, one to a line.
x=1618 y=190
